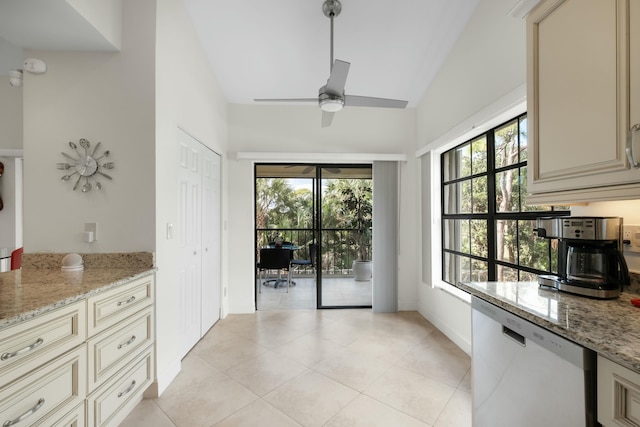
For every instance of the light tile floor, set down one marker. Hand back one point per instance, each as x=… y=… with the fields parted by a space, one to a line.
x=333 y=368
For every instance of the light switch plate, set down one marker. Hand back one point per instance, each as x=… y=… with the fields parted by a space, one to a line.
x=93 y=227
x=631 y=233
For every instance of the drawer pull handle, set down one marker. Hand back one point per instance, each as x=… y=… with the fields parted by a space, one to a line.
x=124 y=344
x=25 y=415
x=30 y=347
x=122 y=393
x=129 y=301
x=631 y=139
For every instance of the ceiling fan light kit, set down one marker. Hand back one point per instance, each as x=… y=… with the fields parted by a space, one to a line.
x=330 y=104
x=331 y=97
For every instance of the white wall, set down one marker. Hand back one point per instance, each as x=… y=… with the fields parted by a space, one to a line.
x=10 y=115
x=187 y=96
x=486 y=63
x=103 y=97
x=294 y=129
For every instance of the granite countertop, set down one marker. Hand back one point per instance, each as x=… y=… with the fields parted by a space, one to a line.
x=41 y=286
x=609 y=327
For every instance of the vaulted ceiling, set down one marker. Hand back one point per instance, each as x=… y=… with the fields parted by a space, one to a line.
x=278 y=48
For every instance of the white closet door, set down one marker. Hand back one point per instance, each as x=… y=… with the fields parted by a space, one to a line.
x=190 y=242
x=211 y=198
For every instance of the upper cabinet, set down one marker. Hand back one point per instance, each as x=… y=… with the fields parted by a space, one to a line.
x=583 y=83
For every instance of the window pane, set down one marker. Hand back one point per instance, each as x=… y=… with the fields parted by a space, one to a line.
x=456 y=235
x=523 y=139
x=466 y=196
x=534 y=251
x=479 y=243
x=457 y=197
x=554 y=255
x=507 y=191
x=465 y=236
x=450 y=196
x=506 y=249
x=528 y=277
x=456 y=268
x=449 y=233
x=480 y=271
x=506 y=274
x=506 y=140
x=480 y=195
x=449 y=268
x=479 y=155
x=457 y=163
x=465 y=269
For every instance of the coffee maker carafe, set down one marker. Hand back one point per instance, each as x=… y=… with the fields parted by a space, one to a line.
x=590 y=260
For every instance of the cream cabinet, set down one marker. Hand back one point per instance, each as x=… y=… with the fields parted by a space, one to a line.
x=618 y=395
x=85 y=364
x=583 y=100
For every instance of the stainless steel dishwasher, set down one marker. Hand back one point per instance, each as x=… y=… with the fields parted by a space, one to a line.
x=526 y=376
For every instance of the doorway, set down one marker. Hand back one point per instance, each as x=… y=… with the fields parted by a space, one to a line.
x=329 y=206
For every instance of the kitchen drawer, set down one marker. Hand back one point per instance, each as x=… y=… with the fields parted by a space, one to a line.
x=113 y=349
x=43 y=392
x=618 y=395
x=113 y=401
x=75 y=418
x=110 y=307
x=31 y=343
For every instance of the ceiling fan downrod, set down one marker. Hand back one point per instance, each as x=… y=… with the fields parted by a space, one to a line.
x=331 y=9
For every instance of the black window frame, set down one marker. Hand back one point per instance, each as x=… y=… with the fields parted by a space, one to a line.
x=492 y=216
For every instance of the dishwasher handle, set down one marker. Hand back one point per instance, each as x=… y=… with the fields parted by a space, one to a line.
x=510 y=333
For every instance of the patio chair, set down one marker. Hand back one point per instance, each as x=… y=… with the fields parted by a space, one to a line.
x=311 y=262
x=275 y=259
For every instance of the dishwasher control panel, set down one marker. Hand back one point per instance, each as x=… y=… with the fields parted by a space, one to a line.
x=521 y=330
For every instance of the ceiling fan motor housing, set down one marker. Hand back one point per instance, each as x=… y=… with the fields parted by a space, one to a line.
x=331 y=8
x=330 y=102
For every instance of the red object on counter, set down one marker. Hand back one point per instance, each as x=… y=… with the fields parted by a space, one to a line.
x=636 y=302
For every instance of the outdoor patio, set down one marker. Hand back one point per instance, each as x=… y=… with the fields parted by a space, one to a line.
x=336 y=291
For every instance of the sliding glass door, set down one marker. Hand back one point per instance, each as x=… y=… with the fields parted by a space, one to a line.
x=345 y=201
x=325 y=213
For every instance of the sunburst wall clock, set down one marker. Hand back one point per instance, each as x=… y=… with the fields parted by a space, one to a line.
x=86 y=164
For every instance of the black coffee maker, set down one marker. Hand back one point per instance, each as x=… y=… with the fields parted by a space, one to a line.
x=590 y=259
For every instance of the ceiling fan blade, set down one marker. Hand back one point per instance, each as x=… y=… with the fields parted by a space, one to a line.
x=287 y=100
x=367 y=101
x=326 y=119
x=338 y=78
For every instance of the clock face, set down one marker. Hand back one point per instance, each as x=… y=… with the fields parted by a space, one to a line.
x=85 y=165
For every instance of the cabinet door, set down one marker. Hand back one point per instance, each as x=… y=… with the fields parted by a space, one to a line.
x=578 y=97
x=634 y=78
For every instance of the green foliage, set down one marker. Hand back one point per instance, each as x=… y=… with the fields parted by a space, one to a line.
x=346 y=204
x=349 y=202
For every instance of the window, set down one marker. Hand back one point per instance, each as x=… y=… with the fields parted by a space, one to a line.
x=487 y=227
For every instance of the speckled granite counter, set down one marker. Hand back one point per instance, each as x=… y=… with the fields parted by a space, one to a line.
x=609 y=327
x=41 y=286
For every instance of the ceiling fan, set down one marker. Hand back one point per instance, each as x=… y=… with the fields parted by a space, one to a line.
x=331 y=97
